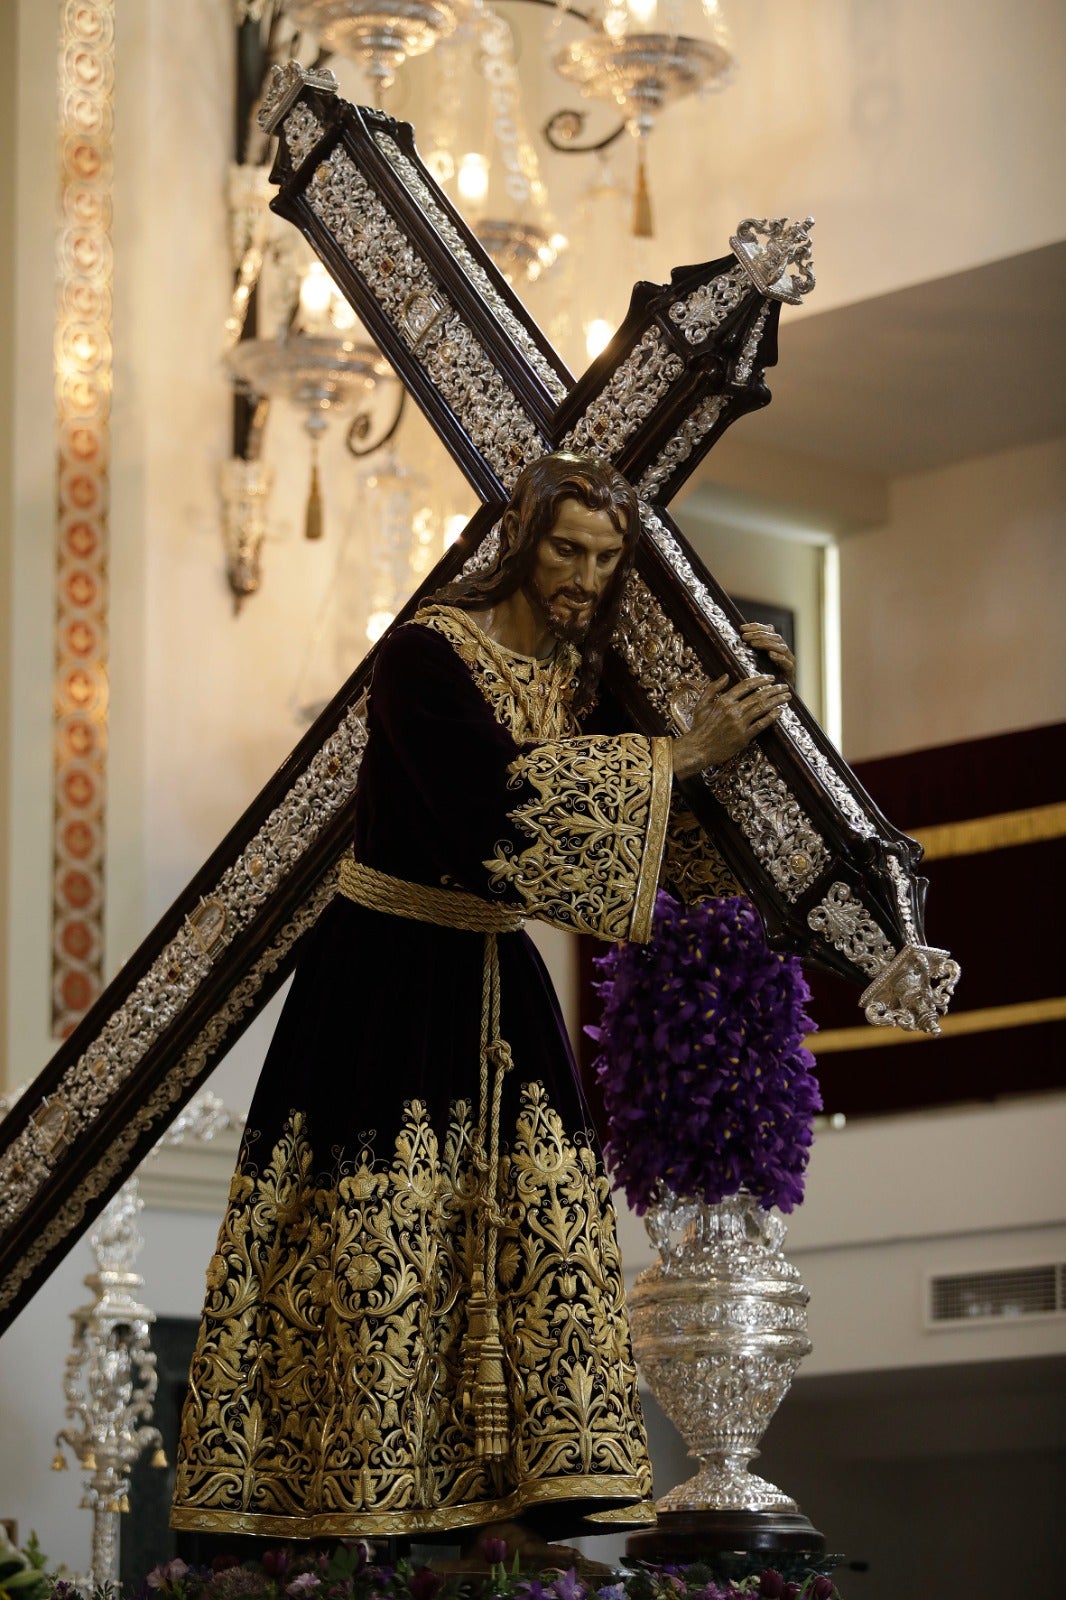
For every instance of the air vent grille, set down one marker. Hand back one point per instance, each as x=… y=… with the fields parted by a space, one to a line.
x=1004 y=1295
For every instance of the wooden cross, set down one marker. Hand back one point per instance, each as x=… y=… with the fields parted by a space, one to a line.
x=832 y=878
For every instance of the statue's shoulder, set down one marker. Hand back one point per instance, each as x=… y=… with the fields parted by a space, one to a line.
x=458 y=627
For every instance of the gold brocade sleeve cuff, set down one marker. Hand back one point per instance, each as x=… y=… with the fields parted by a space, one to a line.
x=597 y=828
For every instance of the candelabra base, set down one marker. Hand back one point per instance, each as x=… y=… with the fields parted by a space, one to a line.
x=680 y=1537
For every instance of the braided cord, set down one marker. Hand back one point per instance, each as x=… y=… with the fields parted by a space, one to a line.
x=484 y=1384
x=448 y=908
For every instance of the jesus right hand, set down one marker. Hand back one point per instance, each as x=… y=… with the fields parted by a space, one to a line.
x=726 y=721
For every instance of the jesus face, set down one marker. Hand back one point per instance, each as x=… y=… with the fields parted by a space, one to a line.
x=574 y=562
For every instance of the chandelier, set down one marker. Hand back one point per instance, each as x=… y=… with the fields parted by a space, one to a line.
x=380 y=34
x=304 y=349
x=642 y=56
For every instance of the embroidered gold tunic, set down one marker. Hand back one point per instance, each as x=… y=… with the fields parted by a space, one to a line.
x=329 y=1391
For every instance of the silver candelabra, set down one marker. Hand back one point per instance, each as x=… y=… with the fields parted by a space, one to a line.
x=110 y=1380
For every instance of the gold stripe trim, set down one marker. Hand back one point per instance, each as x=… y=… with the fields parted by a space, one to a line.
x=432 y=1519
x=1005 y=828
x=988 y=1019
x=662 y=780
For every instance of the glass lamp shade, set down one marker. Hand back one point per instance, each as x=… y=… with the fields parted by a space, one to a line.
x=643 y=72
x=380 y=34
x=315 y=373
x=645 y=54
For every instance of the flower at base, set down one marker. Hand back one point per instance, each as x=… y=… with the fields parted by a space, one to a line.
x=424 y=1583
x=494 y=1549
x=706 y=1081
x=238 y=1583
x=165 y=1576
x=532 y=1589
x=305 y=1584
x=821 y=1588
x=771 y=1584
x=276 y=1561
x=568 y=1586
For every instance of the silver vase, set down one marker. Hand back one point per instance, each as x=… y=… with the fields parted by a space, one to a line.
x=719 y=1329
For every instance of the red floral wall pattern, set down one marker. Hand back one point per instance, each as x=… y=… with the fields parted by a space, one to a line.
x=83 y=409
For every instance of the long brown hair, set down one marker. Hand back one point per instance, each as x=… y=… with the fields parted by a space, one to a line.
x=531 y=513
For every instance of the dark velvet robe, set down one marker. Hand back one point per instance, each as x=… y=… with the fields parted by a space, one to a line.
x=327 y=1393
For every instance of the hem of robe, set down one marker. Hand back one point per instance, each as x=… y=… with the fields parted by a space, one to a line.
x=575 y=1492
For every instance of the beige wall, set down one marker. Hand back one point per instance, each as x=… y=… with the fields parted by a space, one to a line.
x=912 y=132
x=783 y=567
x=8 y=66
x=952 y=611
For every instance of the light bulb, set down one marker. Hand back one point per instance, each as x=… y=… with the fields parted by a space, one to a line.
x=442 y=165
x=642 y=11
x=316 y=289
x=598 y=334
x=341 y=314
x=473 y=177
x=376 y=623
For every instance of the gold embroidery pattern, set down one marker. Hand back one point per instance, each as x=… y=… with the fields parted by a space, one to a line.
x=598 y=826
x=692 y=865
x=530 y=698
x=326 y=1392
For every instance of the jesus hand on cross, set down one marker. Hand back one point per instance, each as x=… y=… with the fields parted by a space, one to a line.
x=761 y=636
x=726 y=721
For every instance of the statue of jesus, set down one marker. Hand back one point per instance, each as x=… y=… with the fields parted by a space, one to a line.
x=415 y=1317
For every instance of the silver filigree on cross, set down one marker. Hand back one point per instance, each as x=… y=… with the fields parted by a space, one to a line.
x=302 y=132
x=416 y=185
x=632 y=393
x=699 y=313
x=696 y=425
x=186 y=960
x=849 y=927
x=913 y=992
x=776 y=255
x=781 y=835
x=284 y=87
x=457 y=363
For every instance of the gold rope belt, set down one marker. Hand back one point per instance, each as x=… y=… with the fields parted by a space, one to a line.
x=484 y=1387
x=448 y=908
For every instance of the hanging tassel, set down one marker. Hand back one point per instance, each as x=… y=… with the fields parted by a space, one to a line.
x=313 y=516
x=475 y=1336
x=491 y=1431
x=642 y=224
x=484 y=1384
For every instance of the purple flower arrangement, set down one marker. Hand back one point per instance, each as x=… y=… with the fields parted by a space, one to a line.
x=346 y=1573
x=706 y=1082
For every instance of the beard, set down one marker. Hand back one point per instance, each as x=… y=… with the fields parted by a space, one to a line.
x=565 y=621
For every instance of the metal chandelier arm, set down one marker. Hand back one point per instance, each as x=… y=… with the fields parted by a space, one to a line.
x=551 y=132
x=565 y=143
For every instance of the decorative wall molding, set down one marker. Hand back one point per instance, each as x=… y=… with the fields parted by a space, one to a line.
x=83 y=363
